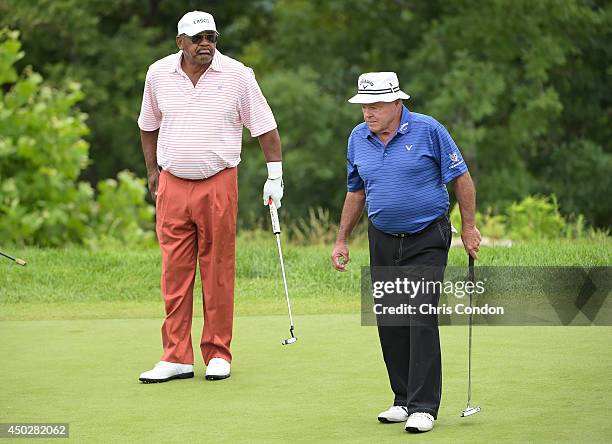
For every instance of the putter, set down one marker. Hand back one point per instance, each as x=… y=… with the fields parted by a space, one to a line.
x=14 y=259
x=276 y=230
x=469 y=411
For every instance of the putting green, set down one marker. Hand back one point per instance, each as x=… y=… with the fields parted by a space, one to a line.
x=533 y=383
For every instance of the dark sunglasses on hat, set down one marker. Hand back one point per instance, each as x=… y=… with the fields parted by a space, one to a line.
x=212 y=37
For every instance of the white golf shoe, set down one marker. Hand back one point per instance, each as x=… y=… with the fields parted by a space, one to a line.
x=166 y=371
x=218 y=368
x=396 y=413
x=419 y=422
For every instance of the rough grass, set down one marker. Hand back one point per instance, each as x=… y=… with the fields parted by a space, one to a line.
x=120 y=283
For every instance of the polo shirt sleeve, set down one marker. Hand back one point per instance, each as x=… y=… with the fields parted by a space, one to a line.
x=150 y=116
x=255 y=113
x=354 y=182
x=452 y=164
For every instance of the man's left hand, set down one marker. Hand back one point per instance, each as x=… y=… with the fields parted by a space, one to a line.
x=470 y=236
x=273 y=188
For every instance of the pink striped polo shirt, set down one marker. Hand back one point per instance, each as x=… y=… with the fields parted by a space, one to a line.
x=200 y=128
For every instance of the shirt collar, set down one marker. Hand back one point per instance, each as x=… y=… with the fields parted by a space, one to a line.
x=216 y=65
x=404 y=126
x=405 y=121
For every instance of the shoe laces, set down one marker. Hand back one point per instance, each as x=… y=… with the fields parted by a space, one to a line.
x=399 y=407
x=163 y=364
x=424 y=415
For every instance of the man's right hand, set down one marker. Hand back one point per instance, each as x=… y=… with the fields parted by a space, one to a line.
x=153 y=183
x=340 y=256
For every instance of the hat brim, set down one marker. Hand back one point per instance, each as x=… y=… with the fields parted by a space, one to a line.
x=373 y=98
x=202 y=30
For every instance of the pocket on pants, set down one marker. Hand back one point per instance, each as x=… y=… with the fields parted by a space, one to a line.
x=161 y=184
x=444 y=229
x=160 y=208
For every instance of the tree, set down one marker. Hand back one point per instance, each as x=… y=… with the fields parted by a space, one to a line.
x=524 y=87
x=107 y=46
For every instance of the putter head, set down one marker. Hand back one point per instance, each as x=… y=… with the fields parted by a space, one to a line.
x=289 y=341
x=469 y=411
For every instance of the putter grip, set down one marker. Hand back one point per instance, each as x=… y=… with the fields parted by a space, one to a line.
x=274 y=218
x=471 y=268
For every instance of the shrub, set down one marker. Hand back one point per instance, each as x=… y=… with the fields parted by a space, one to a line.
x=534 y=218
x=120 y=211
x=42 y=154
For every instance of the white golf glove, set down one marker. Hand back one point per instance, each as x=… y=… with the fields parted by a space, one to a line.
x=273 y=187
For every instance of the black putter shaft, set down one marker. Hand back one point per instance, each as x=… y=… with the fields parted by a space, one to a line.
x=14 y=259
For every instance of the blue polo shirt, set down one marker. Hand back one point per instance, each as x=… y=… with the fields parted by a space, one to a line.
x=405 y=182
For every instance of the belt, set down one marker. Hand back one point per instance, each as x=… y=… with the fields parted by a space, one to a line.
x=441 y=218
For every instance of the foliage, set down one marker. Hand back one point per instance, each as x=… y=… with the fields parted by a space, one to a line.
x=106 y=46
x=524 y=87
x=42 y=153
x=535 y=218
x=320 y=229
x=310 y=124
x=491 y=225
x=508 y=92
x=121 y=214
x=515 y=82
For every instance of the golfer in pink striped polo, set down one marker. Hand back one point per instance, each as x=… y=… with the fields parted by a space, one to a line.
x=194 y=106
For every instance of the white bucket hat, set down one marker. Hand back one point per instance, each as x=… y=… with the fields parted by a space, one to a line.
x=195 y=22
x=378 y=87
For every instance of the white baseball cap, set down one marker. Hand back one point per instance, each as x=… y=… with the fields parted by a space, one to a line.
x=378 y=87
x=195 y=22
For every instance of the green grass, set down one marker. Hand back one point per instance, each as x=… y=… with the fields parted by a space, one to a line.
x=78 y=283
x=536 y=384
x=78 y=326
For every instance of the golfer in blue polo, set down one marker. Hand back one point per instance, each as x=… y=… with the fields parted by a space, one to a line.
x=399 y=163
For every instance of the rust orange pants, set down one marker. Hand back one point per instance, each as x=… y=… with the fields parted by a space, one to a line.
x=196 y=221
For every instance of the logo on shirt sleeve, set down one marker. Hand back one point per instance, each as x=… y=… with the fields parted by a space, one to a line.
x=454 y=158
